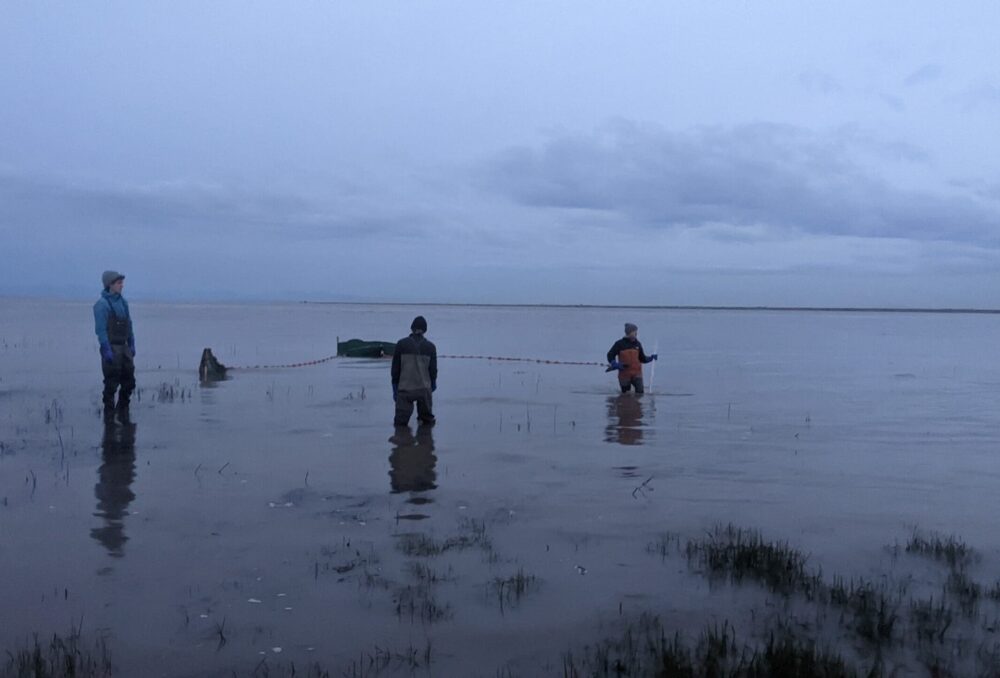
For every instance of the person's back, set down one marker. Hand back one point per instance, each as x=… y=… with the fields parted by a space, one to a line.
x=414 y=375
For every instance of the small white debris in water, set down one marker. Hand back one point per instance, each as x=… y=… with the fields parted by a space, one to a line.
x=203 y=616
x=253 y=600
x=581 y=569
x=288 y=608
x=287 y=504
x=281 y=595
x=462 y=507
x=327 y=435
x=275 y=650
x=361 y=522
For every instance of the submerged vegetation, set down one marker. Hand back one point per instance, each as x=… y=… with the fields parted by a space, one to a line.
x=808 y=625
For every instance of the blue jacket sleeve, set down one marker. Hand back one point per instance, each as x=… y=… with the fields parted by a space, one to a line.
x=101 y=322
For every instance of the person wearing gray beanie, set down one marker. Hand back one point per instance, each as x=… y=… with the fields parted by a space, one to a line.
x=414 y=375
x=113 y=326
x=627 y=356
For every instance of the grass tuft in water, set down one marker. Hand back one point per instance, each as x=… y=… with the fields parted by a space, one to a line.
x=950 y=549
x=62 y=657
x=741 y=553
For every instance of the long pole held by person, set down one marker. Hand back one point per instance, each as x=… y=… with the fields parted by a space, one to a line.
x=652 y=370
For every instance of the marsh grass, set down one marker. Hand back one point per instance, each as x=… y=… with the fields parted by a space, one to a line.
x=873 y=609
x=950 y=549
x=419 y=603
x=943 y=633
x=61 y=657
x=930 y=621
x=510 y=590
x=665 y=545
x=964 y=591
x=646 y=649
x=740 y=553
x=425 y=574
x=473 y=535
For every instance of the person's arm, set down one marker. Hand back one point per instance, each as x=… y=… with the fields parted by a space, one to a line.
x=643 y=358
x=433 y=367
x=131 y=328
x=101 y=323
x=613 y=353
x=394 y=372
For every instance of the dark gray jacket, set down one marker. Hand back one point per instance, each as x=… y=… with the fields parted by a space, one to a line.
x=414 y=364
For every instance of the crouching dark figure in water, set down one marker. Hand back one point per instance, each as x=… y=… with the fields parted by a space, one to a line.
x=210 y=368
x=414 y=375
x=113 y=325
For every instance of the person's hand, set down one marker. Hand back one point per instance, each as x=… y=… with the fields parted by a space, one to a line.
x=107 y=353
x=655 y=356
x=434 y=385
x=614 y=365
x=395 y=392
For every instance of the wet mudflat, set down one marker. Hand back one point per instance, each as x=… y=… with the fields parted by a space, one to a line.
x=278 y=518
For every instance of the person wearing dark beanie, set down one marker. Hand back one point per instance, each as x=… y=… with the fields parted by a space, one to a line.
x=414 y=375
x=627 y=357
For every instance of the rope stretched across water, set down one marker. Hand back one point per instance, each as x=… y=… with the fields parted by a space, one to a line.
x=540 y=361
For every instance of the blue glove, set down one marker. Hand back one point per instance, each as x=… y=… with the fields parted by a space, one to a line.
x=395 y=392
x=615 y=365
x=107 y=353
x=434 y=385
x=131 y=345
x=655 y=357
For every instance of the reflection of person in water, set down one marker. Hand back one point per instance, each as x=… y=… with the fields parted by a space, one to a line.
x=412 y=460
x=113 y=488
x=624 y=420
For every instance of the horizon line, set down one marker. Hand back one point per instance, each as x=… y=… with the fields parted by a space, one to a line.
x=679 y=307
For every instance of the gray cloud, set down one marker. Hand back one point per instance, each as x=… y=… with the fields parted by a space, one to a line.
x=819 y=81
x=750 y=175
x=926 y=73
x=187 y=209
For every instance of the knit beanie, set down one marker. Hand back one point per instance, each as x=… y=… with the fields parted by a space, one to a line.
x=419 y=324
x=110 y=277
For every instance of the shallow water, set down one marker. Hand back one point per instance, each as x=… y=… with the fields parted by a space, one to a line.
x=279 y=509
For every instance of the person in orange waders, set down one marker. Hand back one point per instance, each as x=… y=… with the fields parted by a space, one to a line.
x=627 y=357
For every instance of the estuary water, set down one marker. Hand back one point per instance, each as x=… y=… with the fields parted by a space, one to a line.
x=277 y=516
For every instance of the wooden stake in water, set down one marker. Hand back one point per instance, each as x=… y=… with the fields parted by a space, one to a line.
x=652 y=370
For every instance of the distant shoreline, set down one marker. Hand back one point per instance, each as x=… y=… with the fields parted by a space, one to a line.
x=819 y=309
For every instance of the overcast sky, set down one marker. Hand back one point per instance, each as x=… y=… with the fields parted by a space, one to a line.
x=736 y=153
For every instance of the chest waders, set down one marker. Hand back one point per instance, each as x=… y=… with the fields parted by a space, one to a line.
x=119 y=373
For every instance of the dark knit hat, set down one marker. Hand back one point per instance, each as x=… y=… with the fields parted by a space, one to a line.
x=419 y=324
x=630 y=328
x=111 y=277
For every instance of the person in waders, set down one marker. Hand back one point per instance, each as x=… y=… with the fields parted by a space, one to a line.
x=627 y=357
x=414 y=375
x=113 y=326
